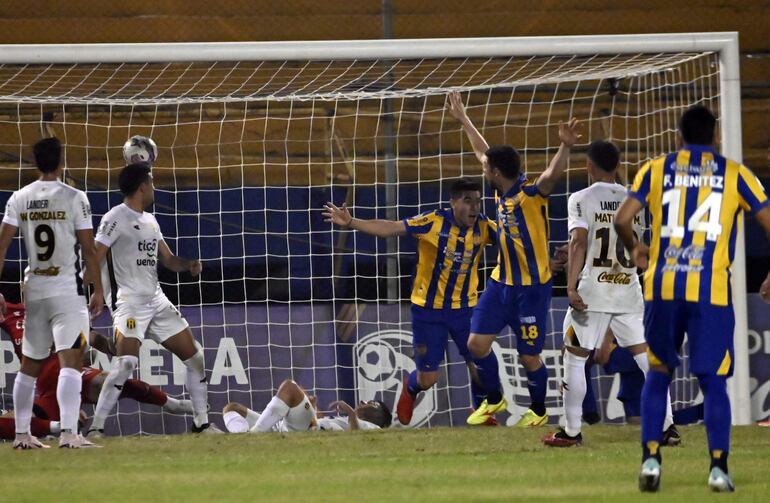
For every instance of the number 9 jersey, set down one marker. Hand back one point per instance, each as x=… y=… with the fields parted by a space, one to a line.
x=695 y=199
x=49 y=213
x=609 y=282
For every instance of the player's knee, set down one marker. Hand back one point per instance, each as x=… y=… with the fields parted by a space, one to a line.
x=479 y=346
x=196 y=362
x=126 y=364
x=531 y=362
x=290 y=392
x=426 y=380
x=234 y=407
x=574 y=359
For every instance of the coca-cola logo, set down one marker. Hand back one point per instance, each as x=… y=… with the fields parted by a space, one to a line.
x=615 y=278
x=692 y=252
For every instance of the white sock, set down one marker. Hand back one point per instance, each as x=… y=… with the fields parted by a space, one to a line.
x=276 y=410
x=122 y=368
x=55 y=427
x=171 y=405
x=235 y=423
x=68 y=396
x=644 y=364
x=23 y=398
x=574 y=391
x=197 y=387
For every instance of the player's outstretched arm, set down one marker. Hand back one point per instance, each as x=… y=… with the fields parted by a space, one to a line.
x=456 y=109
x=86 y=240
x=578 y=245
x=343 y=408
x=380 y=228
x=569 y=135
x=175 y=263
x=624 y=226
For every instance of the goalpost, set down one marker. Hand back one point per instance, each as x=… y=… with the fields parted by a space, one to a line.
x=255 y=137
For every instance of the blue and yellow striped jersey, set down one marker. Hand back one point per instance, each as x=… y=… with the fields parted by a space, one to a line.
x=522 y=236
x=447 y=259
x=696 y=200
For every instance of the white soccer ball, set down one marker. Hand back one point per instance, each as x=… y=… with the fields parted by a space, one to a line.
x=140 y=149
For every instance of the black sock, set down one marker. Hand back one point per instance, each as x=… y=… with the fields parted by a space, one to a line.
x=538 y=408
x=719 y=461
x=494 y=397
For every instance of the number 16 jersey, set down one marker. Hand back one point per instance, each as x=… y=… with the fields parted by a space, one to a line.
x=609 y=282
x=48 y=213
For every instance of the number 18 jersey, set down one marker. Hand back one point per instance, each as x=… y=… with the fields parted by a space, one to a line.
x=608 y=282
x=48 y=215
x=696 y=198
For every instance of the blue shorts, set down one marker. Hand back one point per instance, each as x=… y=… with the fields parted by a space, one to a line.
x=523 y=308
x=709 y=334
x=431 y=329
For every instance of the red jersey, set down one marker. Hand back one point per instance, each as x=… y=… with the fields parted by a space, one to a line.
x=13 y=324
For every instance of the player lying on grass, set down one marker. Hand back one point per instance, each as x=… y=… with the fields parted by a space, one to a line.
x=450 y=242
x=45 y=407
x=292 y=409
x=602 y=286
x=518 y=293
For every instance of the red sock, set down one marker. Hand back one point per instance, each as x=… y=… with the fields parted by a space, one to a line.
x=40 y=427
x=7 y=428
x=143 y=392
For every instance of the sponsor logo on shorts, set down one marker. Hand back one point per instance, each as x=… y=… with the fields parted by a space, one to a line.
x=48 y=271
x=615 y=278
x=130 y=323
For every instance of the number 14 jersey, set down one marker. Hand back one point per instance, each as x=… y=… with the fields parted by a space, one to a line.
x=608 y=282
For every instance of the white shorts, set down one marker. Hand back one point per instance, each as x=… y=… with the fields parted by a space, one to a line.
x=299 y=418
x=56 y=321
x=157 y=319
x=589 y=327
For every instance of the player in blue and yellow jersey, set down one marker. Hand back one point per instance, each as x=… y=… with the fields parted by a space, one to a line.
x=450 y=242
x=696 y=199
x=519 y=292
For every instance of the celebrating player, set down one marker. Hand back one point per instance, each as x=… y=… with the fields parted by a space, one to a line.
x=608 y=284
x=445 y=287
x=519 y=292
x=129 y=238
x=292 y=409
x=45 y=407
x=53 y=218
x=695 y=198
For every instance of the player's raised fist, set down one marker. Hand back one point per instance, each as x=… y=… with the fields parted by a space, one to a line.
x=195 y=267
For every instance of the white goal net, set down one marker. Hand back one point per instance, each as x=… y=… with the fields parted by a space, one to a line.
x=250 y=151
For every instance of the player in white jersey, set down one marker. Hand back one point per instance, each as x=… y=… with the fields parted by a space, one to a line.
x=54 y=219
x=292 y=409
x=602 y=286
x=130 y=242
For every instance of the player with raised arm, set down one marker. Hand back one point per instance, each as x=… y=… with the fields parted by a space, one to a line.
x=293 y=410
x=450 y=242
x=602 y=286
x=695 y=198
x=518 y=294
x=54 y=219
x=130 y=241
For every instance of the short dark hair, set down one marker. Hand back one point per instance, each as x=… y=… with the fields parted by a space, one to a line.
x=697 y=126
x=132 y=176
x=383 y=416
x=604 y=155
x=505 y=159
x=462 y=185
x=47 y=154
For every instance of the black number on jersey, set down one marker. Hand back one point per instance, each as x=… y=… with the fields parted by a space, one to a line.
x=45 y=241
x=603 y=260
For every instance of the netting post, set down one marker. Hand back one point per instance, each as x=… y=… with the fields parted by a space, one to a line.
x=391 y=174
x=732 y=140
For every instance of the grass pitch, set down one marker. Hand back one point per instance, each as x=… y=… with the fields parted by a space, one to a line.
x=442 y=464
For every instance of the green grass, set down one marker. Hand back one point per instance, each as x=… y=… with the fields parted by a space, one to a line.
x=485 y=464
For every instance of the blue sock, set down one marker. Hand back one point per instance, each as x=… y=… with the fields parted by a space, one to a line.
x=537 y=383
x=653 y=412
x=478 y=394
x=413 y=387
x=716 y=409
x=589 y=402
x=489 y=375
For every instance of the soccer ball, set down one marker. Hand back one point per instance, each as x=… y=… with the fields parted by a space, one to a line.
x=140 y=149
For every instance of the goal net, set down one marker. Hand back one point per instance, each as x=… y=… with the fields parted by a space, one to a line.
x=251 y=149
